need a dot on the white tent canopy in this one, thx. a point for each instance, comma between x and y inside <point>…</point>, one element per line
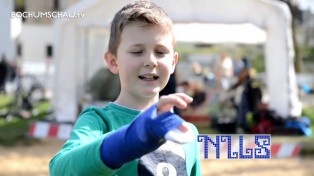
<point>219,33</point>
<point>80,43</point>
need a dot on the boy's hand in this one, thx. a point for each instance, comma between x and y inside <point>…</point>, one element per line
<point>166,103</point>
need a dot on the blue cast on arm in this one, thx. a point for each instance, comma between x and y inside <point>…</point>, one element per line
<point>145,134</point>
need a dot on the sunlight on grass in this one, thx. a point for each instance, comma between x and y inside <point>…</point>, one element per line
<point>5,100</point>
<point>309,112</point>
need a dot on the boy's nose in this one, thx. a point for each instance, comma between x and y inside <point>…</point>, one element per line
<point>150,61</point>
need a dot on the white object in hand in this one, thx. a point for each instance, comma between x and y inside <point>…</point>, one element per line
<point>178,136</point>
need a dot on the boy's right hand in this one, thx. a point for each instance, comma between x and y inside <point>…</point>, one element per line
<point>182,133</point>
<point>167,102</point>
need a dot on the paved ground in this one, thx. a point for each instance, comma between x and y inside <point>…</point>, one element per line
<point>277,167</point>
<point>33,161</point>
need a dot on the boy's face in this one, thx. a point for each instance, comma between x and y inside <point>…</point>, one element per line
<point>144,61</point>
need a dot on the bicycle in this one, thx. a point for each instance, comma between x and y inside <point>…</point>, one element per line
<point>29,91</point>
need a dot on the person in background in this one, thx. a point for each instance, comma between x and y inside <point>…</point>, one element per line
<point>4,68</point>
<point>223,70</point>
<point>250,97</point>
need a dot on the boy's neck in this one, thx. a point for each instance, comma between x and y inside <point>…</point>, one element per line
<point>138,103</point>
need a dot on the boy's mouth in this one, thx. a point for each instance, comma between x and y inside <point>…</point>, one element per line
<point>148,77</point>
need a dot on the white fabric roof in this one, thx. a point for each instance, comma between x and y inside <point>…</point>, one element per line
<point>219,33</point>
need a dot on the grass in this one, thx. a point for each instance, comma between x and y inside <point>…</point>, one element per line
<point>5,100</point>
<point>15,131</point>
<point>309,112</point>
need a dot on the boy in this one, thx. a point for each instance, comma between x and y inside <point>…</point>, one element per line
<point>137,134</point>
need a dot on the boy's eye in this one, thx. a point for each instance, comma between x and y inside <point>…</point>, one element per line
<point>136,52</point>
<point>160,52</point>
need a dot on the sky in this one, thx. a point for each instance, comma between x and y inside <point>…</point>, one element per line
<point>307,4</point>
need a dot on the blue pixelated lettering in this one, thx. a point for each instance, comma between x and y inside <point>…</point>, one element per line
<point>228,138</point>
<point>261,149</point>
<point>248,151</point>
<point>216,145</point>
<point>263,144</point>
<point>204,139</point>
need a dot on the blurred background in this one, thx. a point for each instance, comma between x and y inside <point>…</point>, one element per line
<point>248,64</point>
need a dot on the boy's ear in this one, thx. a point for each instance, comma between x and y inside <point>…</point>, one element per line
<point>111,62</point>
<point>175,61</point>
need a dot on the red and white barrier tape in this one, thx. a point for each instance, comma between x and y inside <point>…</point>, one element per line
<point>46,129</point>
<point>285,150</point>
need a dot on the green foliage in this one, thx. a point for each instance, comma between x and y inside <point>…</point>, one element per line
<point>307,54</point>
<point>19,5</point>
<point>309,112</point>
<point>5,100</point>
<point>259,64</point>
<point>206,129</point>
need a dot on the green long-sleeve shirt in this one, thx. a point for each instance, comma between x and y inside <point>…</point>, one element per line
<point>80,155</point>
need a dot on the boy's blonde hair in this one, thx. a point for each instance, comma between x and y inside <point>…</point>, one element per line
<point>140,11</point>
